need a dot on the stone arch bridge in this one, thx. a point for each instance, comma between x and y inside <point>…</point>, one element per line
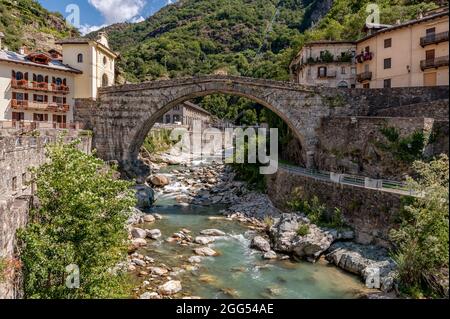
<point>122,116</point>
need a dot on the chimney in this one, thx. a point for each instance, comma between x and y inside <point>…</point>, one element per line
<point>2,36</point>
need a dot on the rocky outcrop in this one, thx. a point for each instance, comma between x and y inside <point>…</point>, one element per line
<point>310,244</point>
<point>159,180</point>
<point>372,263</point>
<point>145,196</point>
<point>260,243</point>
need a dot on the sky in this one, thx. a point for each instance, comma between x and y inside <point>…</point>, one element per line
<point>94,14</point>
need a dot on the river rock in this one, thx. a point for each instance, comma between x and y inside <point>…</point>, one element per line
<point>150,295</point>
<point>195,259</point>
<point>205,251</point>
<point>369,262</point>
<point>136,243</point>
<point>138,233</point>
<point>270,255</point>
<point>170,288</point>
<point>157,216</point>
<point>145,196</point>
<point>159,180</point>
<point>260,243</point>
<point>138,262</point>
<point>212,232</point>
<point>204,240</point>
<point>148,218</point>
<point>158,271</point>
<point>313,244</point>
<point>153,233</point>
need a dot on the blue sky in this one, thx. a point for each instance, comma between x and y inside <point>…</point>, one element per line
<point>98,13</point>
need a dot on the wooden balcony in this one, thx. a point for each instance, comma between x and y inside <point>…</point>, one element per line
<point>434,63</point>
<point>365,76</point>
<point>40,86</point>
<point>434,38</point>
<point>39,106</point>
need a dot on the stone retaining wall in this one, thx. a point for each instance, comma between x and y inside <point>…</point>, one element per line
<point>370,212</point>
<point>18,153</point>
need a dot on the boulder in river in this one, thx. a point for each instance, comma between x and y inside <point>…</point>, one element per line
<point>205,251</point>
<point>260,243</point>
<point>145,196</point>
<point>138,232</point>
<point>270,255</point>
<point>159,180</point>
<point>212,232</point>
<point>195,259</point>
<point>158,271</point>
<point>204,240</point>
<point>153,233</point>
<point>150,295</point>
<point>170,288</point>
<point>148,218</point>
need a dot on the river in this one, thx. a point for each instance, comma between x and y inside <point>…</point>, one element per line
<point>238,271</point>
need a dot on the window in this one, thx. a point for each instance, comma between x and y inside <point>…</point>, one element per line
<point>58,81</point>
<point>18,116</point>
<point>105,60</point>
<point>19,96</point>
<point>176,108</point>
<point>431,31</point>
<point>387,43</point>
<point>19,76</point>
<point>387,83</point>
<point>387,63</point>
<point>40,78</point>
<point>37,117</point>
<point>105,81</point>
<point>353,70</point>
<point>367,49</point>
<point>322,72</point>
<point>343,85</point>
<point>24,179</point>
<point>167,118</point>
<point>176,118</point>
<point>80,58</point>
<point>14,184</point>
<point>59,100</point>
<point>429,55</point>
<point>343,70</point>
<point>59,118</point>
<point>366,85</point>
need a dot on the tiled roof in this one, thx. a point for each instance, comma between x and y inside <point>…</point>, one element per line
<point>14,57</point>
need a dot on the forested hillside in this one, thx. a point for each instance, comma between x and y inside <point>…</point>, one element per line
<point>26,22</point>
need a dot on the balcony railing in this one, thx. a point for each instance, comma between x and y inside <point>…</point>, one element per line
<point>365,76</point>
<point>434,63</point>
<point>32,125</point>
<point>39,106</point>
<point>40,86</point>
<point>434,38</point>
<point>365,56</point>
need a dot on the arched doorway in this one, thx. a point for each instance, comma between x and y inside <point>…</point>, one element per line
<point>105,81</point>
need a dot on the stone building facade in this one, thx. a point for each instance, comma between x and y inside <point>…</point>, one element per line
<point>185,114</point>
<point>325,63</point>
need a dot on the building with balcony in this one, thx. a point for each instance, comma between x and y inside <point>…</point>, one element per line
<point>325,63</point>
<point>41,86</point>
<point>414,53</point>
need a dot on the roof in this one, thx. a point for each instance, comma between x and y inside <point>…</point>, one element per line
<point>324,42</point>
<point>14,57</point>
<point>195,106</point>
<point>406,24</point>
<point>86,41</point>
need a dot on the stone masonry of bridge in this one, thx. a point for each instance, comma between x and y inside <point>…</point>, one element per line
<point>122,116</point>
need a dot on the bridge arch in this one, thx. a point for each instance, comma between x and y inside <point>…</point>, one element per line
<point>123,115</point>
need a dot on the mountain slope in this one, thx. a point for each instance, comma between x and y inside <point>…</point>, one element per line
<point>247,37</point>
<point>26,22</point>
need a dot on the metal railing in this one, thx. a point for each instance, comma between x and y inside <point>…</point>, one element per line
<point>434,38</point>
<point>39,106</point>
<point>434,63</point>
<point>364,76</point>
<point>40,86</point>
<point>353,180</point>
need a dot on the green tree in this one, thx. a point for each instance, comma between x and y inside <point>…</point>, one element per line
<point>80,220</point>
<point>422,238</point>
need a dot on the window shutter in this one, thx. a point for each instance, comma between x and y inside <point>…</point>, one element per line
<point>46,117</point>
<point>34,77</point>
<point>64,100</point>
<point>45,98</point>
<point>13,75</point>
<point>53,79</point>
<point>46,79</point>
<point>26,96</point>
<point>64,82</point>
<point>14,95</point>
<point>54,99</point>
<point>26,76</point>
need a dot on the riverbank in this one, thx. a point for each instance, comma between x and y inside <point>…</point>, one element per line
<point>270,236</point>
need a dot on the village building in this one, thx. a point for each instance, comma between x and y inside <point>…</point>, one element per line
<point>40,87</point>
<point>325,63</point>
<point>414,53</point>
<point>185,114</point>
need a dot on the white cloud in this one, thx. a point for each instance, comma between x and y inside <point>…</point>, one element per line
<point>118,10</point>
<point>137,19</point>
<point>86,29</point>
